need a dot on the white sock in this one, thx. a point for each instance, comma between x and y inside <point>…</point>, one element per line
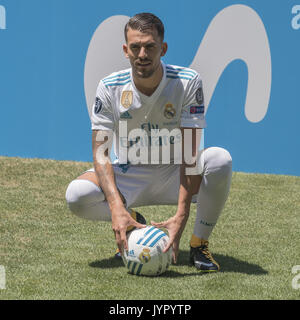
<point>213,192</point>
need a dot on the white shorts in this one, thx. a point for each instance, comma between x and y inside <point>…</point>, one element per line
<point>144,185</point>
<point>147,185</point>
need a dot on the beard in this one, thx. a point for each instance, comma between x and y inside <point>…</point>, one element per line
<point>143,72</point>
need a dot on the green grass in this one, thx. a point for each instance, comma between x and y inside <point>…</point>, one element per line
<point>48,253</point>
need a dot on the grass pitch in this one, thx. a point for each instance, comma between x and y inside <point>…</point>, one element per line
<point>48,253</point>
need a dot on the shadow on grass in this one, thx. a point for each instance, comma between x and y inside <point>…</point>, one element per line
<point>107,263</point>
<point>227,263</point>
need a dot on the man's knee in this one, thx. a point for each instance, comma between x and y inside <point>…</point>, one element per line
<point>217,160</point>
<point>82,194</point>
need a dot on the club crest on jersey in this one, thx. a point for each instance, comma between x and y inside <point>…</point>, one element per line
<point>199,96</point>
<point>145,255</point>
<point>127,99</point>
<point>98,105</point>
<point>169,112</point>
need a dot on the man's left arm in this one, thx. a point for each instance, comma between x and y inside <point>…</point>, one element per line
<point>189,185</point>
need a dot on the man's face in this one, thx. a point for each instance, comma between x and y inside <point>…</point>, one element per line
<point>144,50</point>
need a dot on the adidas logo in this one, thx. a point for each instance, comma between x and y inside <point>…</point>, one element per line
<point>126,115</point>
<point>131,253</point>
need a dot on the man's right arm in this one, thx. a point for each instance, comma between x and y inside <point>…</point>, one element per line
<point>121,218</point>
<point>101,143</point>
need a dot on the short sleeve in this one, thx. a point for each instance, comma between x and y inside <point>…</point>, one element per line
<point>102,117</point>
<point>193,108</point>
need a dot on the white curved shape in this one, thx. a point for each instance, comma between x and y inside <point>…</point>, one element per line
<point>105,55</point>
<point>237,32</point>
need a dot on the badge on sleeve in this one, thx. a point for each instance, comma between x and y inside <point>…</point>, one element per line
<point>98,105</point>
<point>196,109</point>
<point>199,96</point>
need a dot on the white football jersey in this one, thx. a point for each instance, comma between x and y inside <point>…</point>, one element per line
<point>177,102</point>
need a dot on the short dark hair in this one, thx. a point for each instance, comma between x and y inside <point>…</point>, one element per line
<point>143,22</point>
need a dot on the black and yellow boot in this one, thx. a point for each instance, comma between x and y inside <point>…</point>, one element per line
<point>200,256</point>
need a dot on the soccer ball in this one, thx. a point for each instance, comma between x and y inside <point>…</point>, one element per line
<point>145,252</point>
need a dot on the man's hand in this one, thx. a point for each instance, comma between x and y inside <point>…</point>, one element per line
<point>121,220</point>
<point>175,226</point>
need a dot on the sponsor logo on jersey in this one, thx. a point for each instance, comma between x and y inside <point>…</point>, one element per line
<point>199,96</point>
<point>196,109</point>
<point>98,105</point>
<point>169,112</point>
<point>126,115</point>
<point>127,99</point>
<point>145,255</point>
